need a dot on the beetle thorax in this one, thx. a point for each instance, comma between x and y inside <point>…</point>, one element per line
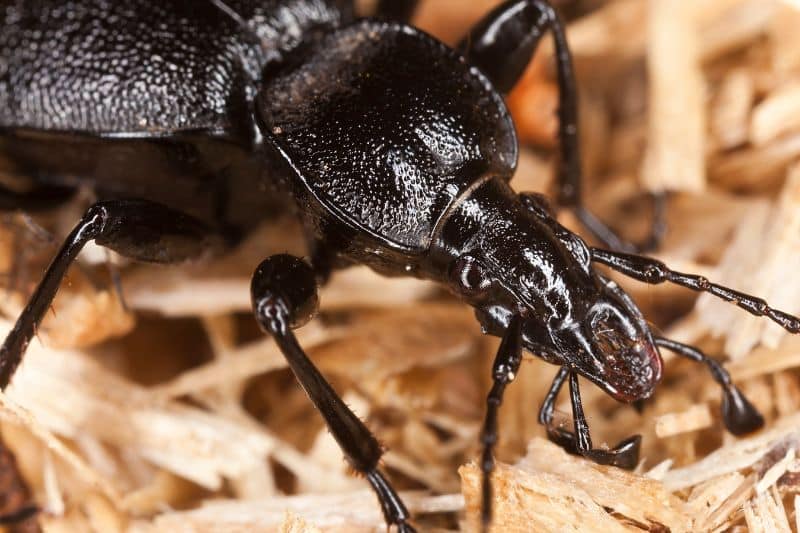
<point>521,263</point>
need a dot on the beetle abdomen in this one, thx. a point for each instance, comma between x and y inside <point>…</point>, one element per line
<point>142,67</point>
<point>386,126</point>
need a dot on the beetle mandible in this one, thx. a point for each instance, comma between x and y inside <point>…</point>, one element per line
<point>397,149</point>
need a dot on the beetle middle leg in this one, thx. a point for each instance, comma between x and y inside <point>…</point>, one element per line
<point>137,229</point>
<point>502,45</point>
<point>284,295</point>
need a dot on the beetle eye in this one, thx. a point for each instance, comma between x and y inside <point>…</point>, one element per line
<point>469,275</point>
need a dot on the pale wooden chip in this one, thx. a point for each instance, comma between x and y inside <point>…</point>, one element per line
<point>765,514</point>
<point>708,497</point>
<point>760,261</point>
<point>730,112</point>
<point>639,498</point>
<point>534,502</point>
<point>198,445</point>
<point>755,169</point>
<point>675,158</point>
<point>738,455</point>
<point>777,115</point>
<point>695,418</point>
<point>173,293</point>
<point>346,511</point>
<point>294,524</point>
<point>784,39</point>
<point>771,476</point>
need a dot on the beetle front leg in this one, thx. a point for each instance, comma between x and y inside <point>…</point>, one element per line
<point>284,296</point>
<point>739,415</point>
<point>623,455</point>
<point>134,228</point>
<point>502,45</point>
<point>549,403</point>
<point>504,370</point>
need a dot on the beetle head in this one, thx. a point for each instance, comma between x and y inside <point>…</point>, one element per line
<point>612,346</point>
<point>574,317</point>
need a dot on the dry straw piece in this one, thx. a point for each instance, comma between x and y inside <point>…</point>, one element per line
<point>173,414</point>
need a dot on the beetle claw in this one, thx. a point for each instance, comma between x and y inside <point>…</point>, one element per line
<point>624,455</point>
<point>565,439</point>
<point>740,416</point>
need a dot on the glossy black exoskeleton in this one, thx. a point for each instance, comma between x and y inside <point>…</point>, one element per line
<point>397,149</point>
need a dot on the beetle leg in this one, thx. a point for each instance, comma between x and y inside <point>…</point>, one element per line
<point>502,45</point>
<point>739,415</point>
<point>134,228</point>
<point>653,271</point>
<point>610,239</point>
<point>549,403</point>
<point>623,455</point>
<point>506,365</point>
<point>562,437</point>
<point>284,295</point>
<point>399,10</point>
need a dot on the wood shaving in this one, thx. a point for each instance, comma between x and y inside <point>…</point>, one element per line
<point>675,157</point>
<point>175,414</point>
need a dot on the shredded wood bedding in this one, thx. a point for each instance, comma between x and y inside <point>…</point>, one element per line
<point>169,412</point>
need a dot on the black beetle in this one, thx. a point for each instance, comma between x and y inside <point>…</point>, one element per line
<point>397,149</point>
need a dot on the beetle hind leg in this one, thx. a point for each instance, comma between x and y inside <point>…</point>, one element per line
<point>624,455</point>
<point>284,295</point>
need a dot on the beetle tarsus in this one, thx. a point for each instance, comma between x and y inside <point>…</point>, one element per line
<point>624,455</point>
<point>394,510</point>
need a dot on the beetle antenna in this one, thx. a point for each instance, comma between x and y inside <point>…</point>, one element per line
<point>654,272</point>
